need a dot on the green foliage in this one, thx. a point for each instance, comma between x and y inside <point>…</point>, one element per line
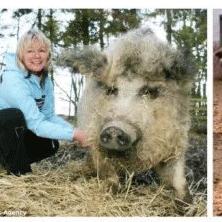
<point>122,20</point>
<point>90,26</point>
<point>20,12</point>
<point>51,26</point>
<point>81,29</point>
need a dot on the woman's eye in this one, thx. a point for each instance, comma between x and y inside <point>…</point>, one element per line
<point>42,50</point>
<point>152,92</point>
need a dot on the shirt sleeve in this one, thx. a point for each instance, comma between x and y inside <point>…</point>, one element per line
<point>17,94</point>
<point>49,107</point>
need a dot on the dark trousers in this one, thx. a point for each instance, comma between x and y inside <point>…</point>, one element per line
<point>19,147</point>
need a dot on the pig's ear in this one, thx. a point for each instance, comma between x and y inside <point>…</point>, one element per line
<point>182,66</point>
<point>86,61</point>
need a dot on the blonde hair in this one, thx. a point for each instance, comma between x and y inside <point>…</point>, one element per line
<point>25,40</point>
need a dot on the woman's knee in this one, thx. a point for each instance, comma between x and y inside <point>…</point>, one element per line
<point>12,117</point>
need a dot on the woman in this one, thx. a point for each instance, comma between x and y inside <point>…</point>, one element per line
<point>29,128</point>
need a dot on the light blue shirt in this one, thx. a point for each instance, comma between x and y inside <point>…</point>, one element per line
<point>36,102</point>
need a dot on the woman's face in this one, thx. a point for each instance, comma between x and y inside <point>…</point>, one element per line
<point>35,57</point>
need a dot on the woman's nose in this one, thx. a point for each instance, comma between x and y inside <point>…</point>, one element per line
<point>36,54</point>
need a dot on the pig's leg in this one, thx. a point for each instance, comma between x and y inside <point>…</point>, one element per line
<point>82,167</point>
<point>173,174</point>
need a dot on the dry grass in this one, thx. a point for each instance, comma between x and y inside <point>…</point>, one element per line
<point>51,191</point>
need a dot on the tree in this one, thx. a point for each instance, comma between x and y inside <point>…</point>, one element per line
<point>39,19</point>
<point>17,14</point>
<point>90,26</point>
<point>2,11</point>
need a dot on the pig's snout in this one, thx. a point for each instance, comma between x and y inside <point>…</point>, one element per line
<point>118,136</point>
<point>115,138</point>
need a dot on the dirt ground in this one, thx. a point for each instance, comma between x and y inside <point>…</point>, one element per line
<point>217,154</point>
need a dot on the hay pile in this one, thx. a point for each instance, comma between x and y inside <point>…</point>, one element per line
<point>53,189</point>
<point>54,193</point>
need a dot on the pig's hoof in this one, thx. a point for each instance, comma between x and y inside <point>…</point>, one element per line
<point>182,206</point>
<point>188,198</point>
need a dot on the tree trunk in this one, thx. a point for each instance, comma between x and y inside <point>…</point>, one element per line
<point>51,39</point>
<point>39,19</point>
<point>169,25</point>
<point>101,29</point>
<point>85,26</point>
<point>18,28</point>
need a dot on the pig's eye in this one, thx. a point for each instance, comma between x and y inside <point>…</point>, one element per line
<point>111,91</point>
<point>152,92</point>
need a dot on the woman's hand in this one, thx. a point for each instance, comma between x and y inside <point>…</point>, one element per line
<point>79,136</point>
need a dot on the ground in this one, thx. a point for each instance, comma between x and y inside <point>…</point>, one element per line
<point>217,154</point>
<point>54,190</point>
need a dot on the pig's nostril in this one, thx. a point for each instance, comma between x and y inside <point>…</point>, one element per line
<point>105,137</point>
<point>123,139</point>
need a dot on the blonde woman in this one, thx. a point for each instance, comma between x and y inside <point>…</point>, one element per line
<point>29,128</point>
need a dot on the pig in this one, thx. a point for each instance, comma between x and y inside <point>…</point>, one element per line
<point>135,107</point>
